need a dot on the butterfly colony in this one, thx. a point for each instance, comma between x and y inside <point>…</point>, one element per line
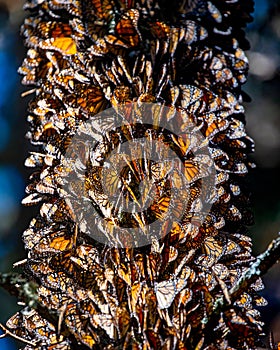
<point>83,57</point>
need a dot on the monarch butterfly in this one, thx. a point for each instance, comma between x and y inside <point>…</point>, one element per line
<point>215,127</point>
<point>190,95</point>
<point>221,271</point>
<point>160,208</point>
<point>160,30</point>
<point>79,28</point>
<point>48,130</point>
<point>86,258</point>
<point>37,159</point>
<point>73,7</point>
<point>212,248</point>
<point>169,254</point>
<point>235,189</point>
<point>126,27</point>
<point>126,35</point>
<point>154,339</point>
<point>123,320</point>
<point>258,285</point>
<point>193,32</point>
<point>33,198</point>
<point>41,330</point>
<point>65,79</point>
<point>167,290</point>
<point>78,325</point>
<point>135,295</point>
<point>91,100</point>
<point>107,322</point>
<point>185,296</point>
<point>29,73</point>
<point>192,171</point>
<point>111,181</point>
<point>174,94</point>
<point>102,9</point>
<point>64,45</point>
<point>259,301</point>
<point>182,144</point>
<point>57,280</point>
<point>57,241</point>
<point>54,30</point>
<point>39,268</point>
<point>165,293</point>
<point>231,247</point>
<point>50,300</point>
<point>121,93</point>
<point>245,300</point>
<point>55,211</point>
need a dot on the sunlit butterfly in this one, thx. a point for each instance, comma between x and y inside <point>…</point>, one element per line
<point>245,300</point>
<point>64,45</point>
<point>167,290</point>
<point>212,248</point>
<point>160,208</point>
<point>215,13</point>
<point>260,301</point>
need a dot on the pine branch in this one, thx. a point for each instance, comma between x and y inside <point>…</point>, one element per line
<point>10,334</point>
<point>18,285</point>
<point>258,268</point>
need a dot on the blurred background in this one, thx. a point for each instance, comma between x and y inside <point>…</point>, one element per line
<point>263,124</point>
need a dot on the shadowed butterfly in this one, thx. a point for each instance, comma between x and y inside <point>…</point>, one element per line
<point>160,30</point>
<point>101,8</point>
<point>154,339</point>
<point>127,4</point>
<point>73,7</point>
<point>54,30</point>
<point>126,35</point>
<point>78,325</point>
<point>90,100</point>
<point>193,32</point>
<point>215,13</point>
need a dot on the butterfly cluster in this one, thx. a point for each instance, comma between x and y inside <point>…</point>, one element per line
<point>83,57</point>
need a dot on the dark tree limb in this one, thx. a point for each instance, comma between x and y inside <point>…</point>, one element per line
<point>258,268</point>
<point>8,333</point>
<point>18,285</point>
